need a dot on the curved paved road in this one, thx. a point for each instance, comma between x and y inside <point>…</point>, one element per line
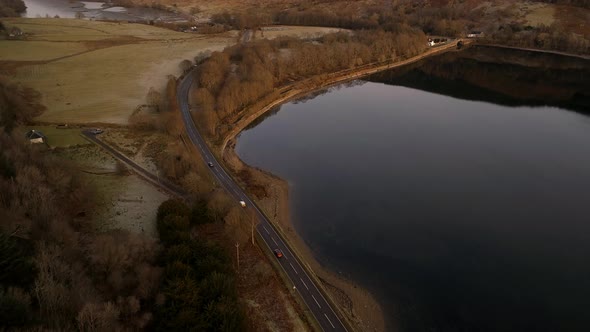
<point>322,311</point>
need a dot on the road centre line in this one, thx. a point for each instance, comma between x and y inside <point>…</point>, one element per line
<point>316,301</point>
<point>329,321</point>
<point>304,284</point>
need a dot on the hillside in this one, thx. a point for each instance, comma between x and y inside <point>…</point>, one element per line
<point>438,17</point>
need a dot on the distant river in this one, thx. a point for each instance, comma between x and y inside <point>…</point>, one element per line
<point>95,10</point>
<point>51,8</point>
<point>457,214</point>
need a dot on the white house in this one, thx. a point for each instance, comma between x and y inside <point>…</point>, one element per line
<point>475,34</point>
<point>35,137</point>
<point>15,33</point>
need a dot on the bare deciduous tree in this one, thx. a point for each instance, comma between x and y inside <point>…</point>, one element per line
<point>219,204</point>
<point>154,99</point>
<point>185,65</point>
<point>98,317</point>
<point>236,225</point>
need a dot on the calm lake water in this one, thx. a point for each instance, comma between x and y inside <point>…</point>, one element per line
<point>51,8</point>
<point>458,215</point>
<point>95,10</point>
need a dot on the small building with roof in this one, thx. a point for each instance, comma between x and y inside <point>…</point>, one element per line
<point>475,34</point>
<point>35,137</point>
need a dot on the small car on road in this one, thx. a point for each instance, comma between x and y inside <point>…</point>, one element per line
<point>96,131</point>
<point>243,204</point>
<point>210,164</point>
<point>278,253</point>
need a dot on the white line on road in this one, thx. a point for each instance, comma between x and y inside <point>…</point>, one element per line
<point>330,321</point>
<point>266,230</point>
<point>235,192</point>
<point>316,287</point>
<point>304,284</point>
<point>293,267</point>
<point>273,240</point>
<point>316,301</point>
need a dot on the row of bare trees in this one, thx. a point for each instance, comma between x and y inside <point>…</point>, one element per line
<point>551,37</point>
<point>577,3</point>
<point>447,19</point>
<point>231,80</point>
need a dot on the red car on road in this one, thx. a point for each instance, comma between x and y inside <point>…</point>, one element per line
<point>278,253</point>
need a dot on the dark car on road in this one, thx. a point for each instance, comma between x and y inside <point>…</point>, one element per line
<point>210,164</point>
<point>278,253</point>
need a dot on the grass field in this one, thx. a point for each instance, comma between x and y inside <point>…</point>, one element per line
<point>540,13</point>
<point>97,71</point>
<point>124,201</point>
<point>58,138</point>
<point>106,85</point>
<point>49,29</point>
<point>89,71</point>
<point>29,50</point>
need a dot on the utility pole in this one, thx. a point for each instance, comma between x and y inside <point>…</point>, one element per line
<point>252,226</point>
<point>238,254</point>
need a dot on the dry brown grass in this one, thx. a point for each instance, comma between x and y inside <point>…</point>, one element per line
<point>29,50</point>
<point>576,20</point>
<point>539,13</point>
<point>58,138</point>
<point>60,30</point>
<point>96,71</point>
<point>124,201</point>
<point>106,85</point>
<point>92,71</point>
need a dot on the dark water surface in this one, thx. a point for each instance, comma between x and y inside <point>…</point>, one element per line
<point>458,215</point>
